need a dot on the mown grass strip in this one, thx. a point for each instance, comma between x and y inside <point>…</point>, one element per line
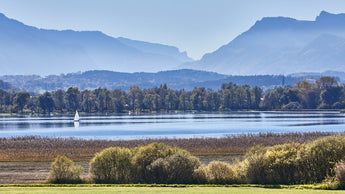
<point>161,190</point>
<point>306,186</point>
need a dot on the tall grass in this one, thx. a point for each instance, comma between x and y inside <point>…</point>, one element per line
<point>32,148</point>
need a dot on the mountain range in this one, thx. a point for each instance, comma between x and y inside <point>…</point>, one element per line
<point>273,45</point>
<point>30,50</point>
<point>280,45</point>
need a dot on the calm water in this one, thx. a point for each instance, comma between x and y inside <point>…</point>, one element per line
<point>171,125</point>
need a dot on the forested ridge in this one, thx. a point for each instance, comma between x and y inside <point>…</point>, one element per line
<point>325,93</point>
<point>176,80</point>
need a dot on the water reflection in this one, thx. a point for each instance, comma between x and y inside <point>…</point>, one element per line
<point>76,124</point>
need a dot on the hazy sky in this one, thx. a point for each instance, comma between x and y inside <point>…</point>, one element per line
<point>195,26</point>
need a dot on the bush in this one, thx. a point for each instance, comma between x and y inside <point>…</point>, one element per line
<point>181,167</point>
<point>64,171</point>
<point>112,165</point>
<point>145,155</point>
<point>294,163</point>
<point>178,168</point>
<point>276,165</point>
<point>222,173</point>
<point>281,164</point>
<point>340,173</point>
<point>201,175</point>
<point>254,165</point>
<point>320,156</point>
<point>159,170</point>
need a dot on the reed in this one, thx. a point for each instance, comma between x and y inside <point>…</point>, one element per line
<point>33,148</point>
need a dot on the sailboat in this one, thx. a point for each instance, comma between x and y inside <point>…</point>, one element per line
<point>76,117</point>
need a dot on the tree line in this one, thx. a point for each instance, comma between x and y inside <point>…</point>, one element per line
<point>324,93</point>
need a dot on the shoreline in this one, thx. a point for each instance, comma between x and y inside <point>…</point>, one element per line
<point>67,114</point>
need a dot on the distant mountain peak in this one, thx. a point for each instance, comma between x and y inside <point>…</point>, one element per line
<point>61,51</point>
<point>330,17</point>
<point>273,22</point>
<point>280,45</point>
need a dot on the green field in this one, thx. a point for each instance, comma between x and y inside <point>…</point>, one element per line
<point>144,190</point>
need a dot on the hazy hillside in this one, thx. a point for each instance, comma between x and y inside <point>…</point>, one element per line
<point>29,50</point>
<point>177,79</point>
<point>281,45</point>
<point>7,86</point>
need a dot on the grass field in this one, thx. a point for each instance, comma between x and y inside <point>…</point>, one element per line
<point>144,190</point>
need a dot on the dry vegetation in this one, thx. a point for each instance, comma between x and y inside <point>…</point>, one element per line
<point>46,149</point>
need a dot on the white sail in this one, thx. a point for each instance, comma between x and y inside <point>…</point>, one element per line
<point>76,117</point>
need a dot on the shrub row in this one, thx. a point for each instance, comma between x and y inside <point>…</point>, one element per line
<point>292,163</point>
<point>295,163</point>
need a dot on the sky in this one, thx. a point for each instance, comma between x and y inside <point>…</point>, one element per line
<point>195,26</point>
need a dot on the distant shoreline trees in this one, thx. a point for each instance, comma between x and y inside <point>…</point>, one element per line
<point>325,93</point>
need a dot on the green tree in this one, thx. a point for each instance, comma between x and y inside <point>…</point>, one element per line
<point>58,97</point>
<point>256,94</point>
<point>184,101</point>
<point>21,99</point>
<point>119,99</point>
<point>46,102</point>
<point>152,102</point>
<point>88,102</point>
<point>171,100</point>
<point>72,98</point>
<point>331,95</point>
<point>270,101</point>
<point>135,98</point>
<point>197,98</point>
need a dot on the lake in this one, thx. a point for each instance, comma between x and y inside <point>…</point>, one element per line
<point>184,125</point>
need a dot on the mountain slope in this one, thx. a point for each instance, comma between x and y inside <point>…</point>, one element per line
<point>29,50</point>
<point>7,86</point>
<point>176,79</point>
<point>281,45</point>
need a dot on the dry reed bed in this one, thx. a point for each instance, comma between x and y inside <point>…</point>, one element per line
<point>33,148</point>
